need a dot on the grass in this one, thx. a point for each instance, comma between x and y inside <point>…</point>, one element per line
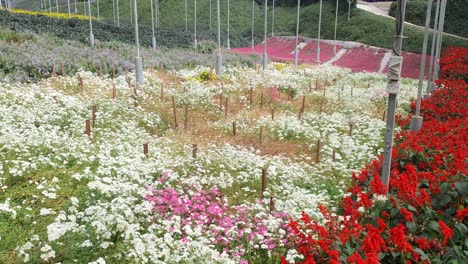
<point>363,27</point>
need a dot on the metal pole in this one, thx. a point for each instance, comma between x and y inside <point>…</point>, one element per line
<point>50,6</point>
<point>131,12</point>
<point>416,120</point>
<point>76,8</point>
<point>56,5</point>
<point>186,17</point>
<point>336,26</point>
<point>84,7</point>
<point>98,14</point>
<point>296,51</point>
<point>228,18</point>
<point>319,29</point>
<point>113,9</point>
<point>265,38</point>
<point>69,10</point>
<point>118,14</point>
<point>195,23</point>
<point>152,24</point>
<point>431,61</point>
<point>273,19</point>
<point>439,48</point>
<point>138,62</point>
<point>157,13</point>
<point>91,35</point>
<point>253,23</point>
<point>219,60</point>
<point>210,15</point>
<point>393,88</point>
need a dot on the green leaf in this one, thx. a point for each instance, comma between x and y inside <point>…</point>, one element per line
<point>462,228</point>
<point>462,187</point>
<point>423,255</point>
<point>411,226</point>
<point>434,225</point>
<point>411,208</point>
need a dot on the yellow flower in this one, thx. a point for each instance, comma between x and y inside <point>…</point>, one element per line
<point>48,14</point>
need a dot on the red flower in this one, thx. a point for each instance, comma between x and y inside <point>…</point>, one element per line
<point>461,214</point>
<point>446,231</point>
<point>407,215</point>
<point>423,243</point>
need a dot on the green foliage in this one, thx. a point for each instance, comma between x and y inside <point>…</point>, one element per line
<point>456,20</point>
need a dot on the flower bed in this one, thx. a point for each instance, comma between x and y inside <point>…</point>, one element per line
<point>423,218</point>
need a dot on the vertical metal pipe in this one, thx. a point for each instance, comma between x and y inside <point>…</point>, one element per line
<point>91,35</point>
<point>296,50</point>
<point>431,61</point>
<point>273,19</point>
<point>265,38</point>
<point>56,6</point>
<point>186,17</point>
<point>393,88</point>
<point>228,25</point>
<point>319,30</point>
<point>98,13</point>
<point>138,62</point>
<point>417,120</point>
<point>195,23</point>
<point>439,48</point>
<point>253,23</point>
<point>336,26</point>
<point>210,14</point>
<point>219,60</point>
<point>152,25</point>
<point>76,8</point>
<point>118,13</point>
<point>69,9</point>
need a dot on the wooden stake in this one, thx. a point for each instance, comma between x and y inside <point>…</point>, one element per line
<point>251,96</point>
<point>94,110</point>
<point>273,114</point>
<point>186,118</point>
<point>113,72</point>
<point>194,151</point>
<point>317,154</point>
<point>310,86</point>
<point>100,71</point>
<point>334,155</point>
<point>53,71</point>
<point>221,101</point>
<point>264,180</point>
<point>272,204</point>
<point>383,116</point>
<point>324,92</point>
<point>350,129</point>
<point>145,149</point>
<point>234,128</point>
<point>162,92</point>
<point>303,104</point>
<point>114,92</point>
<point>88,128</point>
<point>175,112</point>
<point>63,69</point>
<point>339,96</point>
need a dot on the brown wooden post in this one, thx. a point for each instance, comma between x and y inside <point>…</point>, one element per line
<point>63,69</point>
<point>101,73</point>
<point>324,92</point>
<point>251,96</point>
<point>334,155</point>
<point>303,104</point>
<point>272,204</point>
<point>113,72</point>
<point>175,112</point>
<point>162,92</point>
<point>53,71</point>
<point>220,101</point>
<point>264,180</point>
<point>94,110</point>
<point>88,128</point>
<point>234,128</point>
<point>114,92</point>
<point>317,154</point>
<point>145,149</point>
<point>310,86</point>
<point>350,129</point>
<point>194,151</point>
<point>383,116</point>
<point>339,95</point>
<point>273,114</point>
